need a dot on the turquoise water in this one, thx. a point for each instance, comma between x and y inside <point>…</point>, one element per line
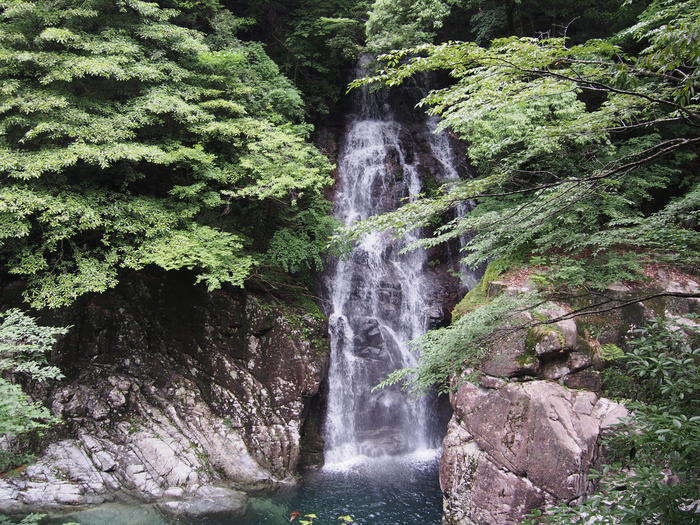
<point>380,492</point>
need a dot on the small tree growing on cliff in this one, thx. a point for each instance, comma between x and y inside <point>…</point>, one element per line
<point>23,348</point>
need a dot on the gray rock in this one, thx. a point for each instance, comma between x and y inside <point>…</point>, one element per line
<point>511,447</point>
<point>468,478</point>
<point>578,361</point>
<point>556,368</point>
<point>490,382</point>
<point>171,393</point>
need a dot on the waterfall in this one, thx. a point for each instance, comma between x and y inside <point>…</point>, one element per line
<point>379,299</point>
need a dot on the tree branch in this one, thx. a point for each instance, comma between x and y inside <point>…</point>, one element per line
<point>586,310</point>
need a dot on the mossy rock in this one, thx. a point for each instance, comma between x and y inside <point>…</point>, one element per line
<point>538,334</point>
<point>479,295</point>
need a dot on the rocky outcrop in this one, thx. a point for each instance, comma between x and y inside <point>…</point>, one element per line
<point>175,396</point>
<point>519,446</point>
<point>528,433</point>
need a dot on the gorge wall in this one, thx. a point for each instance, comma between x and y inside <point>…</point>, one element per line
<point>193,400</point>
<point>529,432</point>
<point>176,396</point>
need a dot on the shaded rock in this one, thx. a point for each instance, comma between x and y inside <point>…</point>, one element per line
<point>564,365</point>
<point>585,379</point>
<point>170,389</point>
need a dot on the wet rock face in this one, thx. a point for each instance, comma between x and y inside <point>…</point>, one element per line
<point>176,396</point>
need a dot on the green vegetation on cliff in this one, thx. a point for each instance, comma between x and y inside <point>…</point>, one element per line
<point>128,139</point>
<point>584,153</point>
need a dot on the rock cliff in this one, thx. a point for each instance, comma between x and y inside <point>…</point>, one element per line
<point>528,433</point>
<point>176,396</point>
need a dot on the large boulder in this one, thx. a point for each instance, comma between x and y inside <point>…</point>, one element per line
<point>529,433</point>
<point>176,396</point>
<point>518,446</point>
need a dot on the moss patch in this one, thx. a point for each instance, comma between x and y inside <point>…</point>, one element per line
<point>537,333</point>
<point>478,296</point>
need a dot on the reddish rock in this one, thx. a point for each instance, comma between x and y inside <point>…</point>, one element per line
<point>512,449</point>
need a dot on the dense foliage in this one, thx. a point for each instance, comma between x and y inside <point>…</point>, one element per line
<point>395,24</point>
<point>582,151</point>
<point>24,346</point>
<point>128,140</point>
<point>316,42</point>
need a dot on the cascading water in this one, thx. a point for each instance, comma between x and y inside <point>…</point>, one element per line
<point>443,152</point>
<point>378,299</point>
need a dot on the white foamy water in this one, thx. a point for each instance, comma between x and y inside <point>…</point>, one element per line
<point>378,299</point>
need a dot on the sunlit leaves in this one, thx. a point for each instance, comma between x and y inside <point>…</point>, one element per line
<point>396,24</point>
<point>124,138</point>
<point>217,255</point>
<point>23,348</point>
<point>570,143</point>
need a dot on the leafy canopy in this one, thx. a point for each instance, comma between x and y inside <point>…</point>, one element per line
<point>396,24</point>
<point>581,151</point>
<point>128,140</point>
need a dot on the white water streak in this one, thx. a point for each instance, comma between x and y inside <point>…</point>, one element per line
<point>378,297</point>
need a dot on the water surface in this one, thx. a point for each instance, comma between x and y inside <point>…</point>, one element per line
<point>380,491</point>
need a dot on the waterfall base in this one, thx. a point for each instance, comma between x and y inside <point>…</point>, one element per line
<point>396,490</point>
